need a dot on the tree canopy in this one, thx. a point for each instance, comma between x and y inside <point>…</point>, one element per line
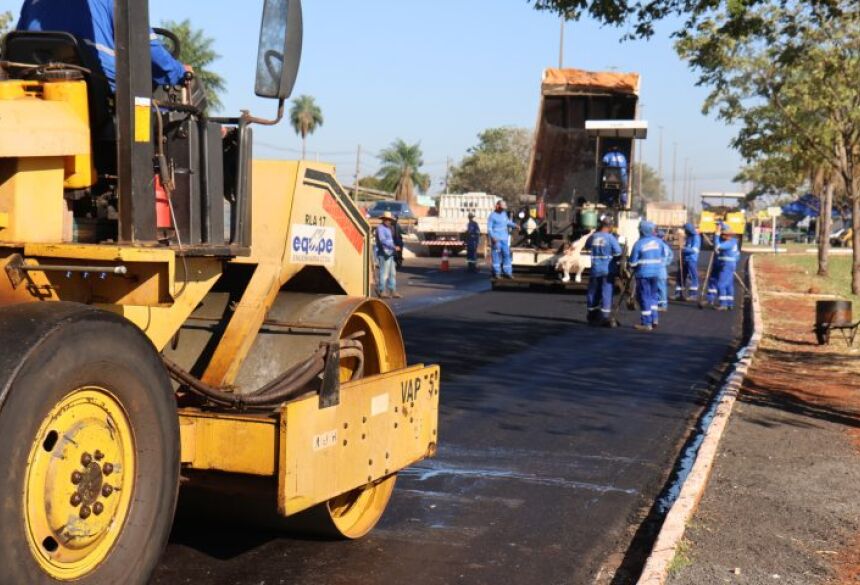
<point>400,171</point>
<point>790,83</point>
<point>196,50</point>
<point>653,188</point>
<point>5,23</point>
<point>305,117</point>
<point>497,164</point>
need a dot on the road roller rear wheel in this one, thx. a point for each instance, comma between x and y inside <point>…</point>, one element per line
<point>89,438</point>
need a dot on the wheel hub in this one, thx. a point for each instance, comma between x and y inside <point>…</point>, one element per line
<point>79,482</point>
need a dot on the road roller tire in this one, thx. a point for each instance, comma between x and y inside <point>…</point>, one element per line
<point>89,440</point>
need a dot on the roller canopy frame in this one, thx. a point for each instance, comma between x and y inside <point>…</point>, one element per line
<point>634,129</point>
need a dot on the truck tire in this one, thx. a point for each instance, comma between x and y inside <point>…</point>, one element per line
<point>89,438</point>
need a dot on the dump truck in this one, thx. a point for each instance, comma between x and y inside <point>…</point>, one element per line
<point>582,116</point>
<point>669,218</point>
<point>447,229</point>
<point>146,340</point>
<point>725,208</point>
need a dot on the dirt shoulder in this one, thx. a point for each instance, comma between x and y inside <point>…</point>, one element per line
<point>783,501</point>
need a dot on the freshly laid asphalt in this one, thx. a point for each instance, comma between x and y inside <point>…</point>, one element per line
<point>555,440</point>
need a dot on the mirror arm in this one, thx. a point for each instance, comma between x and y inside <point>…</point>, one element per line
<point>247,118</point>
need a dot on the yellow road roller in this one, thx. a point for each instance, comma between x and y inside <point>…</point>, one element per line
<point>173,311</point>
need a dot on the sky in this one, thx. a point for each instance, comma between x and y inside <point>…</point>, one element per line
<point>441,71</point>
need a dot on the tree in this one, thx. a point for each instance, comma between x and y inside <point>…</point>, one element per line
<point>5,23</point>
<point>196,50</point>
<point>497,164</point>
<point>640,16</point>
<point>790,83</point>
<point>400,171</point>
<point>305,117</point>
<point>653,188</point>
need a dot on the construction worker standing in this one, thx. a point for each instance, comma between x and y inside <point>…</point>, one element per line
<point>713,292</point>
<point>728,255</point>
<point>647,259</point>
<point>385,252</point>
<point>473,238</point>
<point>498,226</point>
<point>663,279</point>
<point>605,250</point>
<point>688,275</point>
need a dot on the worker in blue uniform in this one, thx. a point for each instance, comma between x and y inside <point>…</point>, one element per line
<point>473,238</point>
<point>647,259</point>
<point>689,270</point>
<point>713,292</point>
<point>498,226</point>
<point>663,278</point>
<point>92,22</point>
<point>605,252</point>
<point>614,158</point>
<point>728,255</point>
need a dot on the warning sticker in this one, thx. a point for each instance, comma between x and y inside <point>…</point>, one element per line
<point>312,245</point>
<point>325,440</point>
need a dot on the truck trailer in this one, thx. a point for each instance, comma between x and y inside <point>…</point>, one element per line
<point>582,116</point>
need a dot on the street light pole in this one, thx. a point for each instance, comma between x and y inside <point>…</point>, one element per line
<point>561,44</point>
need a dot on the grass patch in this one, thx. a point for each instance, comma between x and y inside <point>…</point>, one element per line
<point>682,558</point>
<point>805,267</point>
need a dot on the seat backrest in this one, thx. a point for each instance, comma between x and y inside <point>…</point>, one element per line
<point>43,47</point>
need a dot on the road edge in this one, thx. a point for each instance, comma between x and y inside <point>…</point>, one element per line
<point>657,566</point>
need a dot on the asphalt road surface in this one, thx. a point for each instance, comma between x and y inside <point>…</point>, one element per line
<point>555,440</point>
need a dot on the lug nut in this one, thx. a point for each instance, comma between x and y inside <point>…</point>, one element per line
<point>107,468</point>
<point>107,490</point>
<point>86,459</point>
<point>77,477</point>
<point>98,508</point>
<point>76,499</point>
<point>99,455</point>
<point>85,512</point>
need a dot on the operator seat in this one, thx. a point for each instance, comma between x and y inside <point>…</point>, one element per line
<point>46,47</point>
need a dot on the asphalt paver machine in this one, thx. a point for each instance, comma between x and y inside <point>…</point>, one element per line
<point>172,309</point>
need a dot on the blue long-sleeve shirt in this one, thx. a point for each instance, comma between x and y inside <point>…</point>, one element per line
<point>692,247</point>
<point>604,249</point>
<point>384,240</point>
<point>91,21</point>
<point>727,252</point>
<point>648,257</point>
<point>473,232</point>
<point>498,224</point>
<point>615,159</point>
<point>668,258</point>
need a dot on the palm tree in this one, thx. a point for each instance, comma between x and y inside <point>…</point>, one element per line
<point>400,170</point>
<point>305,116</point>
<point>197,51</point>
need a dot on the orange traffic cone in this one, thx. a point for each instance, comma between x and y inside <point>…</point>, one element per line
<point>445,266</point>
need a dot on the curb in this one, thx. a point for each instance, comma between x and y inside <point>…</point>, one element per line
<point>656,569</point>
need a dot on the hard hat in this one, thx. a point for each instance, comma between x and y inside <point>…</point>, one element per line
<point>646,228</point>
<point>690,228</point>
<point>387,215</point>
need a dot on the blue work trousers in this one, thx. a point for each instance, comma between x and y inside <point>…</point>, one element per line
<point>689,277</point>
<point>387,273</point>
<point>646,295</point>
<point>599,296</point>
<point>711,294</point>
<point>662,291</point>
<point>726,284</point>
<point>472,254</point>
<point>502,262</point>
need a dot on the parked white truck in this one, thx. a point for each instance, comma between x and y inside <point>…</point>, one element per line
<point>447,229</point>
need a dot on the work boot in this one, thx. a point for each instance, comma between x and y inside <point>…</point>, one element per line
<point>508,276</point>
<point>396,295</point>
<point>721,308</point>
<point>641,327</point>
<point>384,295</point>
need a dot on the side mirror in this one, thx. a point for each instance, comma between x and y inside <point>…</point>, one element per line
<point>280,50</point>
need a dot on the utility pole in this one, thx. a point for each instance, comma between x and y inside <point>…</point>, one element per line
<point>357,173</point>
<point>641,148</point>
<point>561,43</point>
<point>674,167</point>
<point>684,196</point>
<point>660,158</point>
<point>447,175</point>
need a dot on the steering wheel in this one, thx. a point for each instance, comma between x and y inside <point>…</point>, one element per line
<point>176,45</point>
